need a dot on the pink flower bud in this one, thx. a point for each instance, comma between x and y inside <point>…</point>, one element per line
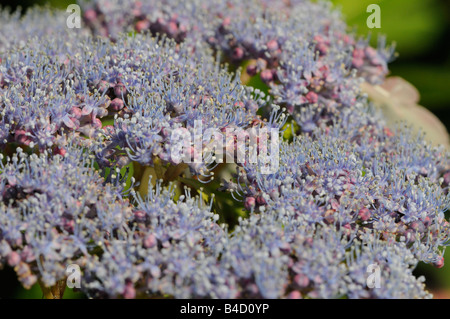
<point>364,214</point>
<point>172,28</point>
<point>312,97</point>
<point>357,63</point>
<point>90,15</point>
<point>117,104</point>
<point>295,295</point>
<point>249,203</point>
<point>226,21</point>
<point>238,53</point>
<point>75,112</point>
<point>140,215</point>
<point>22,137</point>
<point>266,75</point>
<point>96,123</point>
<point>129,291</point>
<point>102,86</point>
<point>252,70</point>
<point>260,200</point>
<point>150,241</point>
<point>13,259</point>
<point>142,25</point>
<point>272,45</point>
<point>301,280</point>
<point>68,225</point>
<point>60,151</point>
<point>439,263</point>
<point>120,90</point>
<point>427,221</point>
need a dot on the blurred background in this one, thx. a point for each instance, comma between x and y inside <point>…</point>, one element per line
<point>421,30</point>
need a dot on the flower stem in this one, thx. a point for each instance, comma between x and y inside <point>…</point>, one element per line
<point>54,292</point>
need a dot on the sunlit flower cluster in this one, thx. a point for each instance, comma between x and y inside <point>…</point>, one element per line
<point>87,176</point>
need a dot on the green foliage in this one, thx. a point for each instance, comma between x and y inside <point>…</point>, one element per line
<point>413,24</point>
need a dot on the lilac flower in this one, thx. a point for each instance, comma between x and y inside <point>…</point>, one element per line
<point>172,250</point>
<point>167,92</point>
<point>301,50</point>
<point>350,193</point>
<point>329,177</point>
<point>54,210</point>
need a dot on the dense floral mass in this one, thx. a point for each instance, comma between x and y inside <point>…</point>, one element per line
<point>87,175</point>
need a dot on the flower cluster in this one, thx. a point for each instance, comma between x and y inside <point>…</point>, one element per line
<point>82,109</point>
<point>161,88</point>
<point>356,178</point>
<point>267,256</point>
<point>38,22</point>
<point>150,87</point>
<point>307,59</point>
<point>54,211</point>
